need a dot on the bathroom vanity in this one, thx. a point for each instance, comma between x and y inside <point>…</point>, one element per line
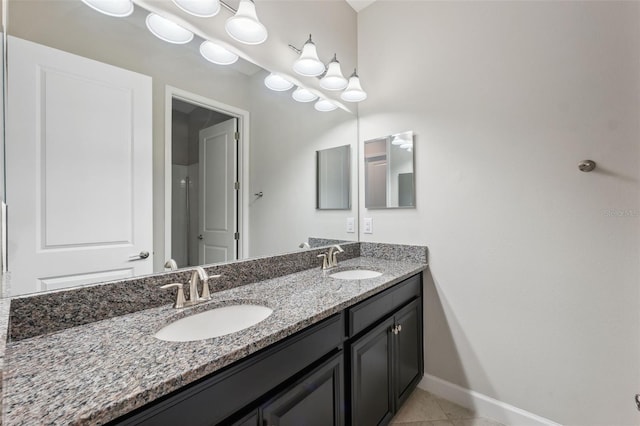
<point>334,351</point>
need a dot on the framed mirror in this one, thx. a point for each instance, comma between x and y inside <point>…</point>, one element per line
<point>389,172</point>
<point>333,181</point>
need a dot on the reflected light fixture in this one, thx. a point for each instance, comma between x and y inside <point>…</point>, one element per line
<point>217,54</point>
<point>333,79</point>
<point>244,26</point>
<point>168,30</point>
<point>325,105</point>
<point>117,8</point>
<point>354,92</point>
<point>200,8</point>
<point>308,63</point>
<point>303,95</point>
<point>398,140</point>
<point>277,83</point>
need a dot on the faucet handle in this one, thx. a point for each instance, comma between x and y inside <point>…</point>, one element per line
<point>205,287</point>
<point>325,263</point>
<point>334,257</point>
<point>179,297</point>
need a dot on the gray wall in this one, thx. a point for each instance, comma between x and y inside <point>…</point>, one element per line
<point>534,296</point>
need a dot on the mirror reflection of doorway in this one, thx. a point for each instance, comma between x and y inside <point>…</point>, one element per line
<point>204,193</point>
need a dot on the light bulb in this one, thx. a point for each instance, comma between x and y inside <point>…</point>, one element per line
<point>217,54</point>
<point>333,79</point>
<point>303,95</point>
<point>308,63</point>
<point>167,30</point>
<point>117,8</point>
<point>277,83</point>
<point>354,92</point>
<point>244,26</point>
<point>200,8</point>
<point>325,105</point>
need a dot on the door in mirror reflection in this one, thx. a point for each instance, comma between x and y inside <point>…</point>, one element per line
<point>204,200</point>
<point>333,187</point>
<point>389,168</point>
<point>79,181</point>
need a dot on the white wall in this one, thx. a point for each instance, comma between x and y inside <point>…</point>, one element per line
<point>283,168</point>
<point>533,298</point>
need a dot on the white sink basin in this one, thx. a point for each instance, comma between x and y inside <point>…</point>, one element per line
<point>213,323</point>
<point>355,274</point>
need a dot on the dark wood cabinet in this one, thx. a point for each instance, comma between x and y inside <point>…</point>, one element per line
<point>386,364</point>
<point>315,400</point>
<point>372,376</point>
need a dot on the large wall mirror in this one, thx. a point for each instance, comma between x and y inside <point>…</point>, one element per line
<point>228,172</point>
<point>389,169</point>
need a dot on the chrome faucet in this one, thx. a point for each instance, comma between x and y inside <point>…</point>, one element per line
<point>198,274</point>
<point>330,259</point>
<point>171,265</point>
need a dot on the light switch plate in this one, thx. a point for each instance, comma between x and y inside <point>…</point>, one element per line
<point>351,225</point>
<point>368,225</point>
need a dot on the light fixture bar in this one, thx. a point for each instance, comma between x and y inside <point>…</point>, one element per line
<point>228,7</point>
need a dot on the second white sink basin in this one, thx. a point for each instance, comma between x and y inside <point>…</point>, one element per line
<point>213,323</point>
<point>355,274</point>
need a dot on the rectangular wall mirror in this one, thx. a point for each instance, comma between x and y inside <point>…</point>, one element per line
<point>388,170</point>
<point>333,187</point>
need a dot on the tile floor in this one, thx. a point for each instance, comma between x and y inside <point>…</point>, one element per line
<point>425,409</point>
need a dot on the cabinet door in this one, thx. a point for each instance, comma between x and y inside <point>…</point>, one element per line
<point>315,400</point>
<point>408,362</point>
<point>371,377</point>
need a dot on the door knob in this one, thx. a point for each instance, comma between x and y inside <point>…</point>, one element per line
<point>200,237</point>
<point>139,256</point>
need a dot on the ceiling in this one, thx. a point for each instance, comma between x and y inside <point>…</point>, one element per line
<point>358,5</point>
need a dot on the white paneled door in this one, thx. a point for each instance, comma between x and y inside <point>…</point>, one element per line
<point>218,192</point>
<point>78,165</point>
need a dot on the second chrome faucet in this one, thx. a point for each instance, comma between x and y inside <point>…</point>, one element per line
<point>330,258</point>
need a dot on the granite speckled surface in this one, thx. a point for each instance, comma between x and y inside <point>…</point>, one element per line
<point>99,371</point>
<point>399,252</point>
<point>43,313</point>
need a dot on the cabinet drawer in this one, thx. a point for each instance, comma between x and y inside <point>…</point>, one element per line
<point>226,392</point>
<point>376,307</point>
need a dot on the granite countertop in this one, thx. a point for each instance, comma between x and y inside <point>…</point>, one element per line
<point>97,372</point>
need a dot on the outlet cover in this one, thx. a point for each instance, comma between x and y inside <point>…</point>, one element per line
<point>368,225</point>
<point>351,225</point>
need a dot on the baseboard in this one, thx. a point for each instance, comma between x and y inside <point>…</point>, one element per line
<point>482,405</point>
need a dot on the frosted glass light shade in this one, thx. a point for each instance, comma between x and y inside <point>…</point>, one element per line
<point>308,63</point>
<point>354,92</point>
<point>201,8</point>
<point>244,25</point>
<point>117,8</point>
<point>303,95</point>
<point>217,54</point>
<point>325,105</point>
<point>333,79</point>
<point>277,83</point>
<point>168,30</point>
<point>407,145</point>
<point>398,140</point>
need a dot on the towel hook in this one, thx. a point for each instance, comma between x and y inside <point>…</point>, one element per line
<point>586,165</point>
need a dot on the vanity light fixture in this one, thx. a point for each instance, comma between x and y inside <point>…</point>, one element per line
<point>244,26</point>
<point>308,63</point>
<point>333,79</point>
<point>217,54</point>
<point>277,83</point>
<point>407,145</point>
<point>168,30</point>
<point>354,92</point>
<point>117,8</point>
<point>325,105</point>
<point>303,95</point>
<point>200,8</point>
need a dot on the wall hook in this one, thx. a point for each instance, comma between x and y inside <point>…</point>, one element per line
<point>586,165</point>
